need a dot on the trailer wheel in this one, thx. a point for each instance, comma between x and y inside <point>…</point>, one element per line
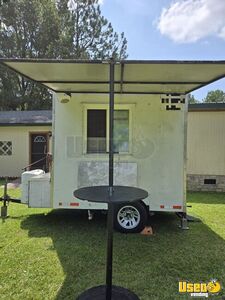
<point>130,217</point>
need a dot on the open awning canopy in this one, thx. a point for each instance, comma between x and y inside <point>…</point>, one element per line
<point>131,76</point>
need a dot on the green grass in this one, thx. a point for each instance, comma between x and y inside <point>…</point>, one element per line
<point>57,255</point>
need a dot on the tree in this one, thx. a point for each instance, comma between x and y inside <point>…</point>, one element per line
<point>88,34</point>
<point>51,29</point>
<point>192,99</point>
<point>215,97</point>
<point>3,1</point>
<point>29,28</point>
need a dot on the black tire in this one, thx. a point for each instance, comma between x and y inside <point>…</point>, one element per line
<point>130,217</point>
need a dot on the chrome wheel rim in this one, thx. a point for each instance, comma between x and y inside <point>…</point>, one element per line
<point>128,217</point>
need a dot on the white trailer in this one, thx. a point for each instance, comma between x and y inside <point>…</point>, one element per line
<point>150,131</point>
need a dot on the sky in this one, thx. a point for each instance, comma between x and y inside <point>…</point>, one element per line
<point>176,30</point>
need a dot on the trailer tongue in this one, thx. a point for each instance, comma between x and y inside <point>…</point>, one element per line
<point>5,201</point>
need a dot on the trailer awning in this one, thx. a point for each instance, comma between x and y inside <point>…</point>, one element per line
<point>131,76</point>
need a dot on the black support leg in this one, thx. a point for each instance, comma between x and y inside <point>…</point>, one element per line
<point>109,252</point>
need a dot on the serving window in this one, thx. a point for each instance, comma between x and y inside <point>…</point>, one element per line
<point>97,129</point>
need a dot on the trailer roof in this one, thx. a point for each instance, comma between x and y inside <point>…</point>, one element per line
<point>131,76</point>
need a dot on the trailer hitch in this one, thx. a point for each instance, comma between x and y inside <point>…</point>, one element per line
<point>5,200</point>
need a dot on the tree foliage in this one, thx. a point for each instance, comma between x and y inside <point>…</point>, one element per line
<point>51,29</point>
<point>215,97</point>
<point>3,1</point>
<point>87,33</point>
<point>192,99</point>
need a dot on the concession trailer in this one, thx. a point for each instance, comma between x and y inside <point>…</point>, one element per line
<point>150,132</point>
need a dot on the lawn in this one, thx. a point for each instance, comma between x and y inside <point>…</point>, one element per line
<point>57,255</point>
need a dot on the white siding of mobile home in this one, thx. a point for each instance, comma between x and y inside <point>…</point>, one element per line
<point>206,151</point>
<point>11,165</point>
<point>206,142</point>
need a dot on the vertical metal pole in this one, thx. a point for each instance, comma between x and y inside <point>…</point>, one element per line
<point>4,208</point>
<point>111,124</point>
<point>109,252</point>
<point>110,205</point>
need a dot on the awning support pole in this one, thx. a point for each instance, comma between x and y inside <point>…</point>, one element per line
<point>110,205</point>
<point>111,124</point>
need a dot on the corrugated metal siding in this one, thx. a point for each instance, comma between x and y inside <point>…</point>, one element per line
<point>206,143</point>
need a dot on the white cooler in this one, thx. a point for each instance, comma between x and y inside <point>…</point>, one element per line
<point>36,188</point>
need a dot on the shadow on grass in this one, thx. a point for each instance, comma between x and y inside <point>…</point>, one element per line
<point>150,266</point>
<point>206,197</point>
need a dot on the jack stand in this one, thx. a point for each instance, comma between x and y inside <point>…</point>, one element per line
<point>90,215</point>
<point>183,221</point>
<point>5,199</point>
<point>4,211</point>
